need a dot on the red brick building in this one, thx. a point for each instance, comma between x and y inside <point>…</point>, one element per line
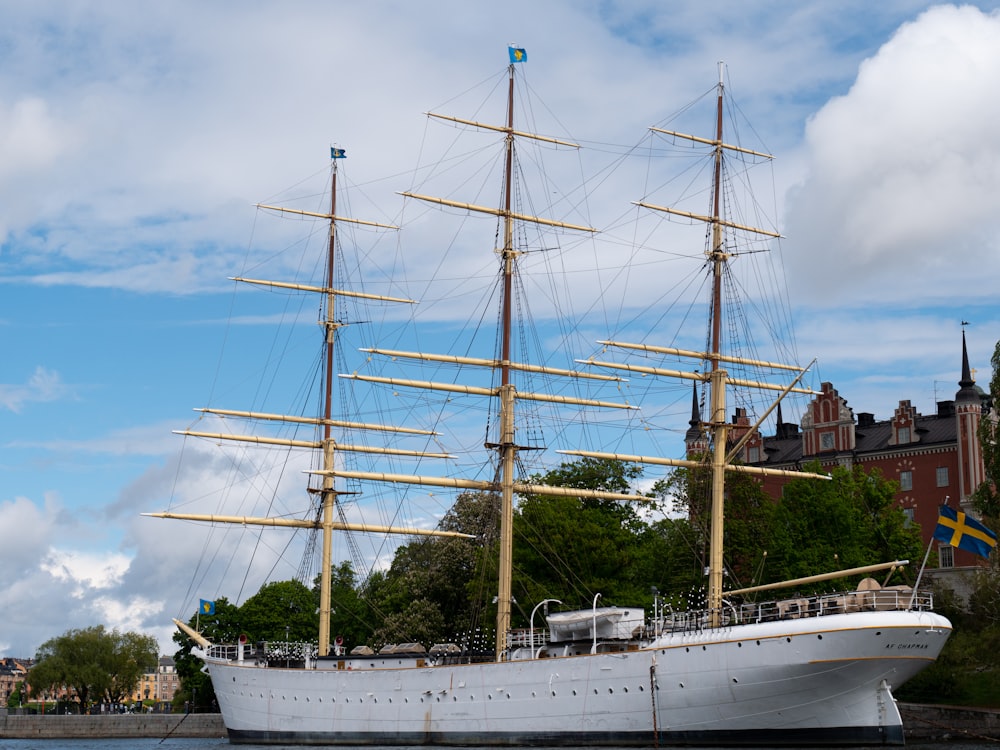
<point>934,458</point>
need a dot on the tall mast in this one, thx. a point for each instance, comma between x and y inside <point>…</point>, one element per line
<point>507,448</point>
<point>717,406</point>
<point>328,493</point>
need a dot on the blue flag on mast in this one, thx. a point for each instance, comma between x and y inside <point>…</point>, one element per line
<point>338,153</point>
<point>517,54</point>
<point>956,528</point>
<point>206,607</point>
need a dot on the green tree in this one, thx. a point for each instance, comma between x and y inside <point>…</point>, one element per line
<point>749,518</point>
<point>94,663</point>
<point>16,697</point>
<point>986,498</point>
<point>352,619</point>
<point>572,548</point>
<point>278,611</point>
<point>434,590</point>
<point>849,521</point>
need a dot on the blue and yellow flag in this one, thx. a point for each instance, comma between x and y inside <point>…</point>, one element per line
<point>956,528</point>
<point>517,54</point>
<point>338,153</point>
<point>206,607</point>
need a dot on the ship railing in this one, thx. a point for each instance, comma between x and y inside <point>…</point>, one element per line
<point>739,613</point>
<point>272,652</point>
<point>526,638</point>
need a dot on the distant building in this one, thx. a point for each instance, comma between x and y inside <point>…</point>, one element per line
<point>12,672</point>
<point>934,458</point>
<point>159,684</point>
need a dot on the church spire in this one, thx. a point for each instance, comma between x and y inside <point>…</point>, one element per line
<point>967,386</point>
<point>968,413</point>
<point>695,439</point>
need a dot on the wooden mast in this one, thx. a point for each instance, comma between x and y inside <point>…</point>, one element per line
<point>721,456</point>
<point>717,407</point>
<point>507,448</point>
<point>324,520</point>
<point>328,491</point>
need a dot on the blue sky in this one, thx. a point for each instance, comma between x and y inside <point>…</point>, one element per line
<point>135,140</point>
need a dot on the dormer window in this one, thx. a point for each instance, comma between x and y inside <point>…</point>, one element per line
<point>903,423</point>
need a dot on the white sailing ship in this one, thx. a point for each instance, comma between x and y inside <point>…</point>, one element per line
<point>804,670</point>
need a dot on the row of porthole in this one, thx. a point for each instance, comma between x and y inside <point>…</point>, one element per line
<point>739,644</point>
<point>489,696</point>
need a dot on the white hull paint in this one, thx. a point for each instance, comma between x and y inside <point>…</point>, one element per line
<point>824,680</point>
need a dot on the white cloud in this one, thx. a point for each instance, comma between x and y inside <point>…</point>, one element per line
<point>87,572</point>
<point>897,207</point>
<point>43,385</point>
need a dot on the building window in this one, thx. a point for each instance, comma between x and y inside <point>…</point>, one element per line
<point>908,516</point>
<point>753,455</point>
<point>906,481</point>
<point>902,435</point>
<point>826,441</point>
<point>942,476</point>
<point>946,556</point>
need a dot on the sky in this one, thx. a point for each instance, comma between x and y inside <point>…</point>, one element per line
<point>136,140</point>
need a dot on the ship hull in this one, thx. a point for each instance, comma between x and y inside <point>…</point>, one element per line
<point>812,681</point>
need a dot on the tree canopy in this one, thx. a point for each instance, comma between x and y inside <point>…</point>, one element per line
<point>986,497</point>
<point>96,663</point>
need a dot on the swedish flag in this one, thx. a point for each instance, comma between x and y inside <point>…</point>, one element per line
<point>206,607</point>
<point>956,528</point>
<point>517,54</point>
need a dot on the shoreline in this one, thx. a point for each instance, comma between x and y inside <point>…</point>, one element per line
<point>71,726</point>
<point>933,723</point>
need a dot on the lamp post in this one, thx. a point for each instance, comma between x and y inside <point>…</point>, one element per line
<point>545,602</point>
<point>593,649</point>
<point>656,611</point>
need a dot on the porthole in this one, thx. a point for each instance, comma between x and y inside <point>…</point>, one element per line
<point>735,681</point>
<point>820,637</point>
